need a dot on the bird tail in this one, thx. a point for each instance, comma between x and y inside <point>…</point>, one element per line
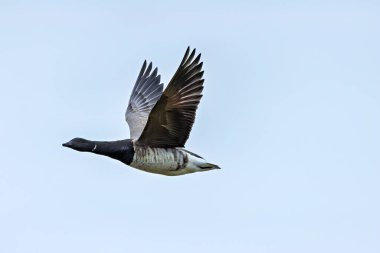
<point>197,162</point>
<point>208,166</point>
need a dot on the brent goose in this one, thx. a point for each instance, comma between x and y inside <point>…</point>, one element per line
<point>159,122</point>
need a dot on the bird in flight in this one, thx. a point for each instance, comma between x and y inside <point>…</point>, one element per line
<point>159,122</point>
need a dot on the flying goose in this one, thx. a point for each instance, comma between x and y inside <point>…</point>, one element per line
<point>159,122</point>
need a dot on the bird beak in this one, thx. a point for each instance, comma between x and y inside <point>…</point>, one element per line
<point>67,144</point>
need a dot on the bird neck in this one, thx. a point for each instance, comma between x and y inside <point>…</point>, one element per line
<point>120,150</point>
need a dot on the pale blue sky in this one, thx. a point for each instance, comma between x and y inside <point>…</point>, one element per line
<point>291,112</point>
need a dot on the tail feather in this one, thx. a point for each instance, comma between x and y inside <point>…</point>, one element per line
<point>198,163</point>
<point>208,166</point>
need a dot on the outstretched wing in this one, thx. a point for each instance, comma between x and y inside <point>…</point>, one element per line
<point>145,94</point>
<point>172,118</point>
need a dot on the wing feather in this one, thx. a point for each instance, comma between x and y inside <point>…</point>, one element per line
<point>172,117</point>
<point>144,96</point>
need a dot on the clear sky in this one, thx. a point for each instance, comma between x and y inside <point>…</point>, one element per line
<point>291,112</point>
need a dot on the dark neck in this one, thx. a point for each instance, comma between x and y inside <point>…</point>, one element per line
<point>120,150</point>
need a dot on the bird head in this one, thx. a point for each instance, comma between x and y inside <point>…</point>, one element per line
<point>80,144</point>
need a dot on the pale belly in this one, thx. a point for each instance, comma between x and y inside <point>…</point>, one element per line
<point>165,161</point>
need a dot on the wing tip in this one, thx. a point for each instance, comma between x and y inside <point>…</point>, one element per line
<point>188,58</point>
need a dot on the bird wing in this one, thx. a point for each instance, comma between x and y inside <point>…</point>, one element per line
<point>171,119</point>
<point>145,94</point>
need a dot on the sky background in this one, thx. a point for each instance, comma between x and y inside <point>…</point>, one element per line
<point>291,112</point>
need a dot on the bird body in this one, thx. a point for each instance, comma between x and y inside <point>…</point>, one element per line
<point>160,123</point>
<point>168,161</point>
